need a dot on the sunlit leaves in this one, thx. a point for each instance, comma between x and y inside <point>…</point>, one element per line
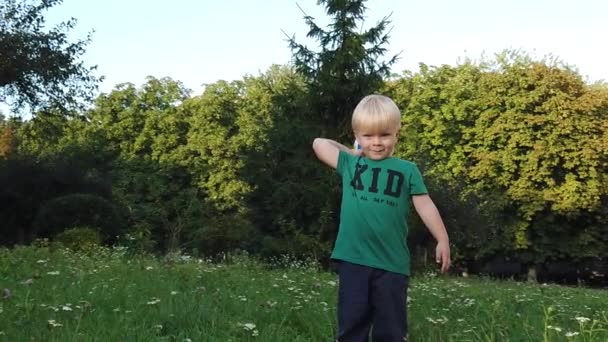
<point>529,131</point>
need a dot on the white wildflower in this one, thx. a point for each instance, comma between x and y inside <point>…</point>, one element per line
<point>154,301</point>
<point>247,326</point>
<point>52,323</point>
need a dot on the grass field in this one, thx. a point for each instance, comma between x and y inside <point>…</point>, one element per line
<point>110,296</point>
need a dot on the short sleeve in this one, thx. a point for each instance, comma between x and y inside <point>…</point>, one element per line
<point>344,162</point>
<point>417,186</point>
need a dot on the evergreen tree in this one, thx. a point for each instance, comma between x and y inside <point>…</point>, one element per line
<point>347,66</point>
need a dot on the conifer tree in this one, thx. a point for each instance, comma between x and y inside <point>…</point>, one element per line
<point>347,66</point>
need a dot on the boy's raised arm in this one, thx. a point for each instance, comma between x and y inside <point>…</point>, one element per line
<point>328,151</point>
<point>429,214</point>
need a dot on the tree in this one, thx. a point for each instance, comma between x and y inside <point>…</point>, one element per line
<point>439,105</point>
<point>215,154</point>
<point>7,142</point>
<point>290,207</point>
<point>348,65</point>
<point>538,136</point>
<point>26,184</point>
<point>526,139</point>
<point>42,135</point>
<point>144,130</point>
<point>7,138</point>
<point>141,122</point>
<point>41,68</point>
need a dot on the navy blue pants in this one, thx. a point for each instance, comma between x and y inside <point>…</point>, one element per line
<point>371,299</point>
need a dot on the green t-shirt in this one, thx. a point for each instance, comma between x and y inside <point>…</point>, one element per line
<point>375,207</point>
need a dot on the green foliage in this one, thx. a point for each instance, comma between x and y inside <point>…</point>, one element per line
<point>141,122</point>
<point>538,141</point>
<point>76,210</point>
<point>144,133</point>
<point>514,152</point>
<point>161,205</point>
<point>26,183</point>
<point>546,152</point>
<point>43,135</point>
<point>216,154</point>
<point>348,65</point>
<point>522,139</point>
<point>38,67</point>
<point>138,240</point>
<point>20,185</point>
<point>294,239</point>
<point>79,239</point>
<point>223,233</point>
<point>281,165</point>
<point>232,168</point>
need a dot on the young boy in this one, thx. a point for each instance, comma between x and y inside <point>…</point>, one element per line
<point>371,247</point>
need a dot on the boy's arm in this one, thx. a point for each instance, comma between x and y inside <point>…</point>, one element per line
<point>429,214</point>
<point>328,151</point>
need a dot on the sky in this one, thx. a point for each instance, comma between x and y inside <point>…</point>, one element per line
<point>202,41</point>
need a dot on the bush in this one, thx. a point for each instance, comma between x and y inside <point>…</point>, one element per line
<point>78,210</point>
<point>138,240</point>
<point>222,233</point>
<point>79,239</point>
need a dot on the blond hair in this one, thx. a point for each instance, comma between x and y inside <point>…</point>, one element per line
<point>376,113</point>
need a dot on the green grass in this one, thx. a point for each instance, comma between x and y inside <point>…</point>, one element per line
<point>109,296</point>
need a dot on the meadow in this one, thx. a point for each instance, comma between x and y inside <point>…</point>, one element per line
<point>110,295</point>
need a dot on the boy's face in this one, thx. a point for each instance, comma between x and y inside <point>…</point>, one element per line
<point>377,145</point>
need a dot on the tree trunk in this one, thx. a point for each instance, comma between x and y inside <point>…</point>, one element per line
<point>532,274</point>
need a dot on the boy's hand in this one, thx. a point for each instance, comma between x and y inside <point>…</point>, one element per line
<point>429,214</point>
<point>328,151</point>
<point>442,255</point>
